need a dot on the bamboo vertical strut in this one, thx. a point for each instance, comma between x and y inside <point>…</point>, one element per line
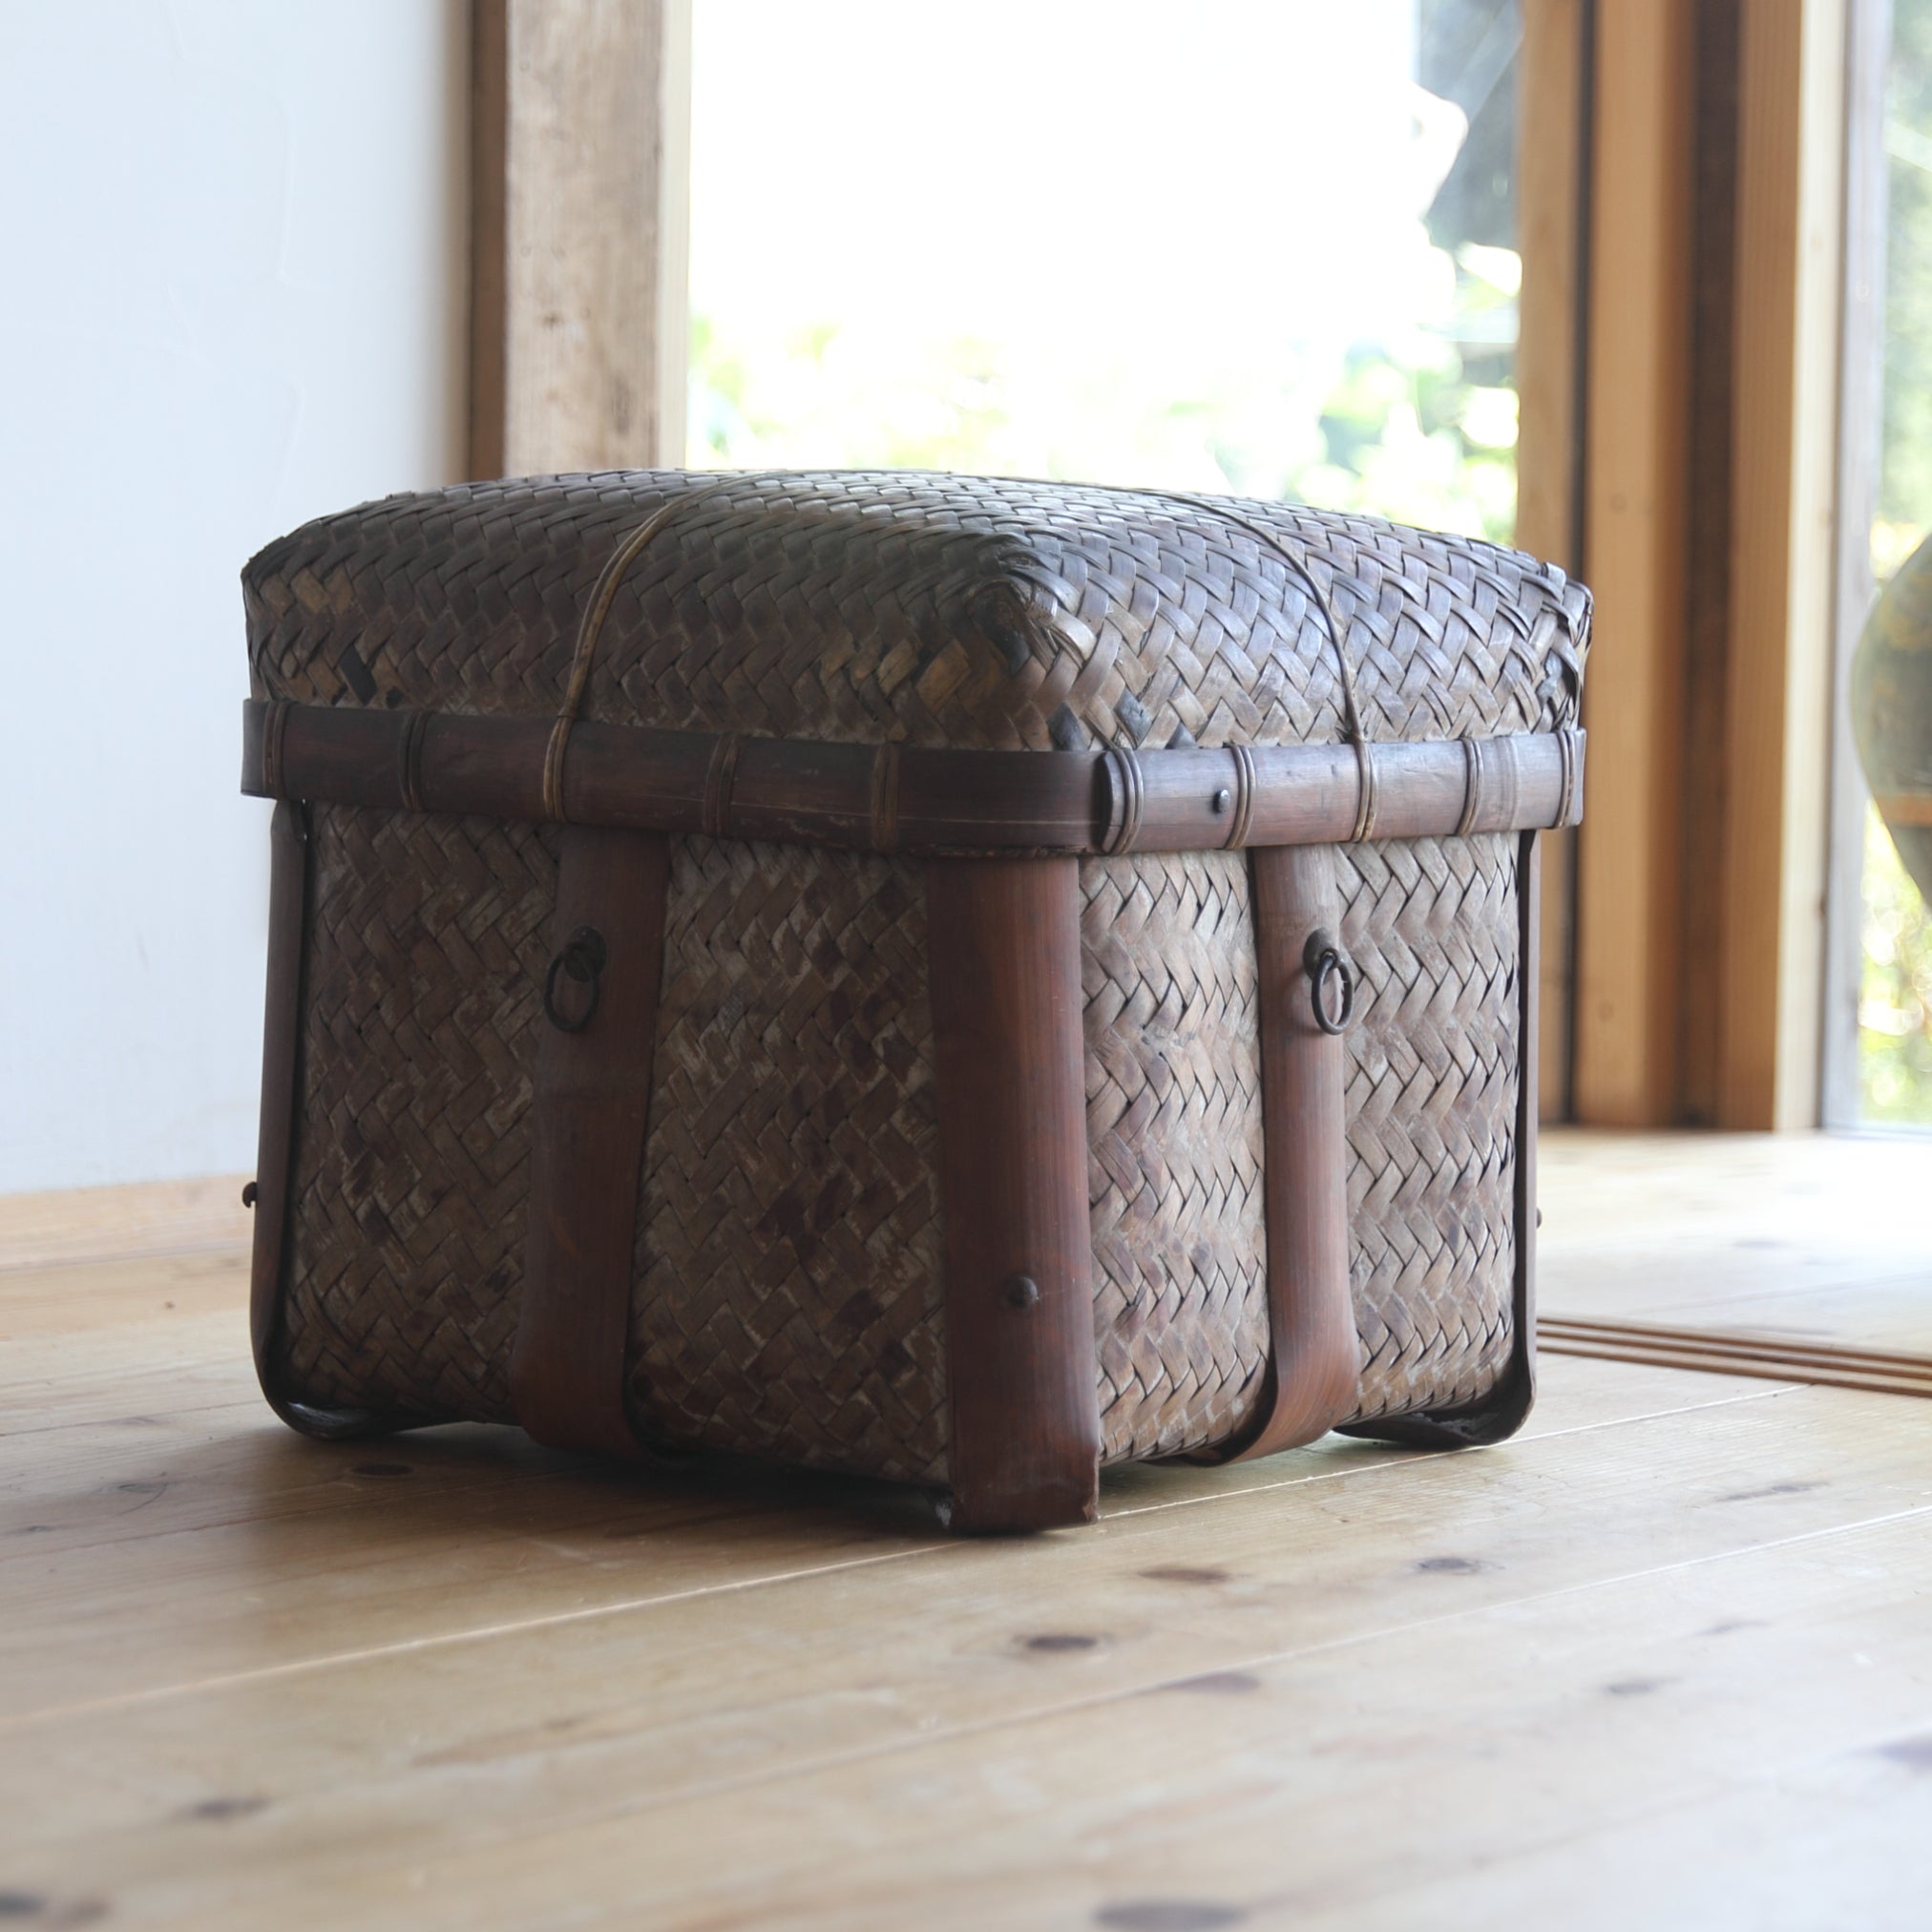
<point>1517,1396</point>
<point>592,1103</point>
<point>1005,963</point>
<point>281,1030</point>
<point>288,896</point>
<point>1314,1357</point>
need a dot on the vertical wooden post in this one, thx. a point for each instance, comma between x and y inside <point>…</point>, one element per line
<point>1004,947</point>
<point>1776,745</point>
<point>1861,367</point>
<point>1552,183</point>
<point>1314,1357</point>
<point>1709,510</point>
<point>580,141</point>
<point>590,1109</point>
<point>1627,892</point>
<point>1715,274</point>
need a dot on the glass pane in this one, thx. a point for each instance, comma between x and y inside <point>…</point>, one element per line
<point>1894,1008</point>
<point>1266,248</point>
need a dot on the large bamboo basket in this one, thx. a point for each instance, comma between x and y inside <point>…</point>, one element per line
<point>828,710</point>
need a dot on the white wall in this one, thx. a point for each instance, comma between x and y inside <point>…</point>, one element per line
<point>231,298</point>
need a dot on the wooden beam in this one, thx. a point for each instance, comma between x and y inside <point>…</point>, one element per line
<point>1776,740</point>
<point>1707,511</point>
<point>1711,478</point>
<point>580,141</point>
<point>1627,934</point>
<point>1551,178</point>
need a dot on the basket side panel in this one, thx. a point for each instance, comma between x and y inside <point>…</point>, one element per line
<point>1173,1078</point>
<point>1434,1067</point>
<point>410,1193</point>
<point>789,1262</point>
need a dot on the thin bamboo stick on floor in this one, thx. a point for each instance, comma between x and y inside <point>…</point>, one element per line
<point>1825,1364</point>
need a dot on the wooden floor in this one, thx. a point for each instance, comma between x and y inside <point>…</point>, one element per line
<point>1666,1660</point>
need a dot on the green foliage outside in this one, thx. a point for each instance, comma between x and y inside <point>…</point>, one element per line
<point>1212,380</point>
<point>1420,427</point>
<point>1905,478</point>
<point>1417,424</point>
<point>1895,1004</point>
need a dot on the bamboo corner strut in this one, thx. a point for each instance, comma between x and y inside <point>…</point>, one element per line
<point>959,981</point>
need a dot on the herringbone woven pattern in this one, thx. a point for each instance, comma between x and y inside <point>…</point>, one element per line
<point>428,943</point>
<point>790,1249</point>
<point>933,609</point>
<point>1173,1080</point>
<point>788,1259</point>
<point>789,1256</point>
<point>1433,1067</point>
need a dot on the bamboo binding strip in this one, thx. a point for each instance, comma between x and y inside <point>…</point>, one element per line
<point>904,798</point>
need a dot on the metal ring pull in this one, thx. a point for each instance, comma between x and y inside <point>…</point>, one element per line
<point>583,960</point>
<point>1324,961</point>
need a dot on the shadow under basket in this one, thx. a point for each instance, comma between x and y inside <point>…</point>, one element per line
<point>948,979</point>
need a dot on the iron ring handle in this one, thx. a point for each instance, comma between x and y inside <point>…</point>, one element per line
<point>1325,963</point>
<point>581,959</point>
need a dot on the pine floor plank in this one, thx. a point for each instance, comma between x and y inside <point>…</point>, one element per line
<point>149,1218</point>
<point>682,1699</point>
<point>1665,1659</point>
<point>1824,1237</point>
<point>164,1292</point>
<point>1575,1749</point>
<point>354,1546</point>
<point>222,1457</point>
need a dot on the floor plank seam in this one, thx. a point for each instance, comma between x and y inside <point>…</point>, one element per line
<point>463,1482</point>
<point>118,1257</point>
<point>299,1667</point>
<point>1517,1443</point>
<point>308,1666</point>
<point>831,1761</point>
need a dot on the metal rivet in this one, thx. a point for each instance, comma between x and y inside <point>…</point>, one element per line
<point>1221,800</point>
<point>1021,1290</point>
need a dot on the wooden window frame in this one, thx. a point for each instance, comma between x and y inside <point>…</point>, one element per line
<point>1707,447</point>
<point>579,234</point>
<point>1861,429</point>
<point>1679,448</point>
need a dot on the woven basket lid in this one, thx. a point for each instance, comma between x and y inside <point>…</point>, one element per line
<point>924,609</point>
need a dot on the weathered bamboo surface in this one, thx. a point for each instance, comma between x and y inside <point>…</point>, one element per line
<point>923,802</point>
<point>812,685</point>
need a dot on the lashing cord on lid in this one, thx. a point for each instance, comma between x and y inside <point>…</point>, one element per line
<point>1352,710</point>
<point>590,627</point>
